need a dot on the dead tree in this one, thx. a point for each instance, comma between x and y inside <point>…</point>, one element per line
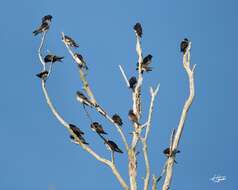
<point>134,84</point>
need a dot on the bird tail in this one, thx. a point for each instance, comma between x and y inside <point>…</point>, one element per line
<point>104,133</point>
<point>103,138</point>
<point>60,59</point>
<point>35,32</point>
<point>119,150</point>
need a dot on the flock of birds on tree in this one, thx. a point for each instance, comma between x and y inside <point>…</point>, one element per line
<point>95,126</point>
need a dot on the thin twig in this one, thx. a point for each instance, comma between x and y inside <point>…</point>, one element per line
<point>171,140</point>
<point>157,179</point>
<point>188,103</point>
<point>124,75</point>
<point>40,49</point>
<point>153,94</point>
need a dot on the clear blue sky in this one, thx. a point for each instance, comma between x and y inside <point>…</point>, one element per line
<point>35,149</point>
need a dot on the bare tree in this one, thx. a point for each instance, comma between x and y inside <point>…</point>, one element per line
<point>134,84</point>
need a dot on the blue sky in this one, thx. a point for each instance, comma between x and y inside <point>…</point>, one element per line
<point>35,149</point>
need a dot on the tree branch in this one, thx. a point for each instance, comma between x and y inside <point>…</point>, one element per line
<point>98,108</point>
<point>124,76</point>
<point>155,179</point>
<point>82,76</point>
<point>190,72</point>
<point>66,125</point>
<point>136,97</point>
<point>39,50</point>
<point>153,94</point>
<point>85,147</point>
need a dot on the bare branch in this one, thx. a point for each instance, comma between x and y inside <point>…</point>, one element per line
<point>188,103</point>
<point>157,179</point>
<point>119,130</point>
<point>86,148</point>
<point>154,183</point>
<point>136,96</point>
<point>82,76</point>
<point>153,95</point>
<point>171,140</point>
<point>147,164</point>
<point>39,50</point>
<point>112,157</point>
<point>66,125</point>
<point>90,94</point>
<point>124,76</point>
<point>144,140</point>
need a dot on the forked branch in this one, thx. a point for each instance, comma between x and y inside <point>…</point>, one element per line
<point>66,125</point>
<point>97,107</point>
<point>153,94</point>
<point>188,103</point>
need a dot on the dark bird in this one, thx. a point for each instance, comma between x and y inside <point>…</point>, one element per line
<point>132,116</point>
<point>95,126</point>
<point>80,61</point>
<point>145,64</point>
<point>138,29</point>
<point>52,58</point>
<point>132,82</point>
<point>47,19</point>
<point>147,60</point>
<point>168,152</point>
<point>117,119</point>
<point>43,75</point>
<point>78,133</point>
<point>83,99</point>
<point>70,42</point>
<point>82,140</point>
<point>43,28</point>
<point>76,130</point>
<point>184,45</point>
<point>112,146</point>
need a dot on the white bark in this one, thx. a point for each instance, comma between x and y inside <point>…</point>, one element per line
<point>66,125</point>
<point>190,72</point>
<point>93,100</point>
<point>153,94</point>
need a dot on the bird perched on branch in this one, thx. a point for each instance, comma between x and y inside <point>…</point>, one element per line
<point>95,126</point>
<point>132,116</point>
<point>76,130</point>
<point>112,146</point>
<point>43,28</point>
<point>83,99</point>
<point>138,29</point>
<point>80,61</point>
<point>78,133</point>
<point>43,75</point>
<point>70,42</point>
<point>45,25</point>
<point>184,45</point>
<point>132,82</point>
<point>168,153</point>
<point>82,140</point>
<point>52,58</point>
<point>47,19</point>
<point>117,119</point>
<point>145,64</point>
